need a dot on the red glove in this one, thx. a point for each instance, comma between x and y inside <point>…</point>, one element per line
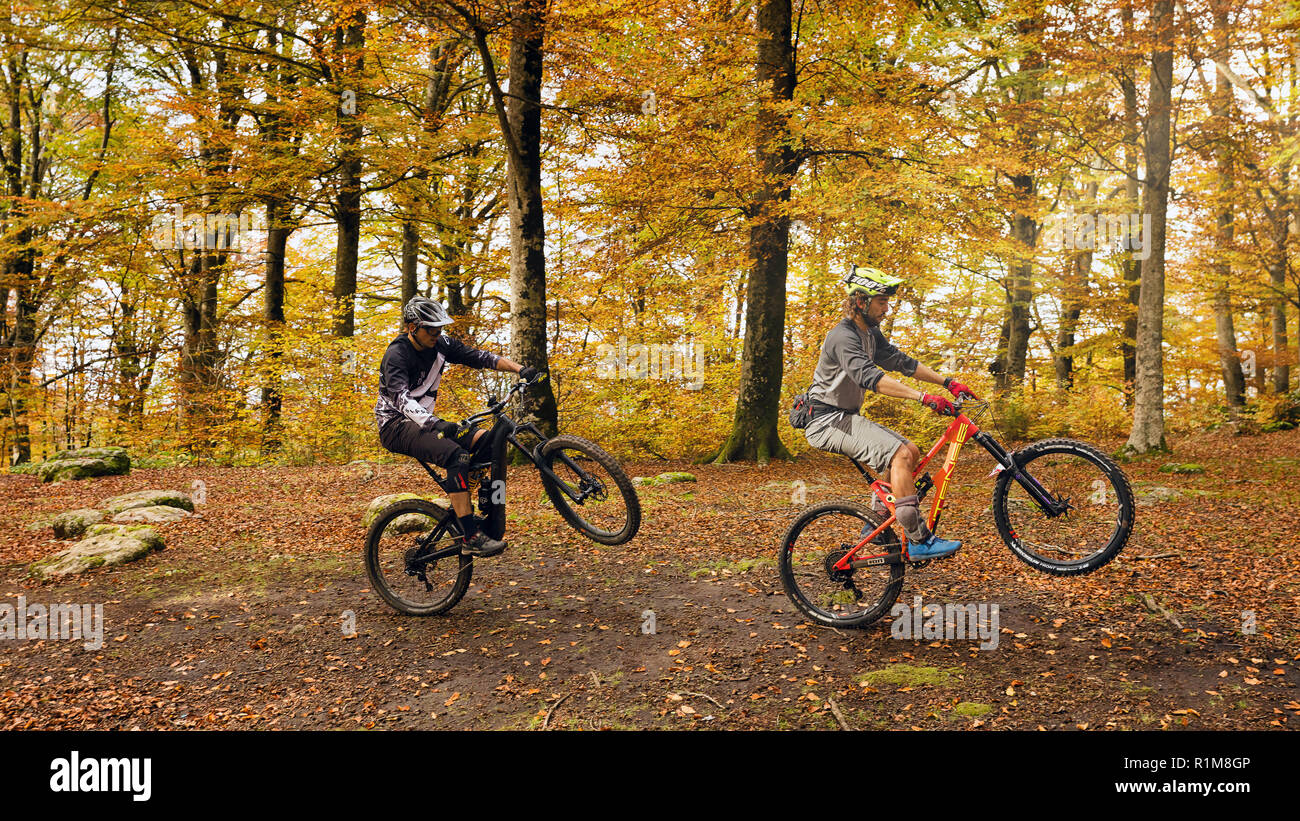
<point>957,389</point>
<point>938,404</point>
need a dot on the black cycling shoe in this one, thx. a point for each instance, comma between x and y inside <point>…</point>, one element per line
<point>482,545</point>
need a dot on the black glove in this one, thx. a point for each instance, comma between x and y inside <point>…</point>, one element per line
<point>528,374</point>
<point>442,426</point>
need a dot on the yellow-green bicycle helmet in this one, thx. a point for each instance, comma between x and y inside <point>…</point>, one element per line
<point>871,281</point>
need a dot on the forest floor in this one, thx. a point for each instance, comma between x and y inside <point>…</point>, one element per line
<point>239,622</point>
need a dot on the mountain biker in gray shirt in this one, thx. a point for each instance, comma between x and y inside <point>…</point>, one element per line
<point>853,360</point>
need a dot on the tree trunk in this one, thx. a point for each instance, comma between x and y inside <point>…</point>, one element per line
<point>1132,265</point>
<point>349,39</point>
<point>527,226</point>
<point>1277,268</point>
<point>1024,229</point>
<point>1148,413</point>
<point>1076,291</point>
<point>753,434</point>
<point>197,376</point>
<point>126,347</point>
<point>410,260</point>
<point>277,240</point>
<point>1225,332</point>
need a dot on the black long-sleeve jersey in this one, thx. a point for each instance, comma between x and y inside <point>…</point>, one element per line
<point>408,379</point>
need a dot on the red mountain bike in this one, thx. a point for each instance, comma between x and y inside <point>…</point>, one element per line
<point>1062,506</point>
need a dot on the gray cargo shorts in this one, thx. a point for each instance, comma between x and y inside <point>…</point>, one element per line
<point>857,437</point>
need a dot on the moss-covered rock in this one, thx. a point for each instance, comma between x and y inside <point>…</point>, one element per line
<point>668,478</point>
<point>153,514</point>
<point>107,545</point>
<point>82,463</point>
<point>73,523</point>
<point>1187,467</point>
<point>404,524</point>
<point>147,498</point>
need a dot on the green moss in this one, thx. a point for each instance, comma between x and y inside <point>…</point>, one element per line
<point>724,567</point>
<point>906,675</point>
<point>970,708</point>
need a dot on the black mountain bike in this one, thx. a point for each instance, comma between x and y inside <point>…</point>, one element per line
<point>413,547</point>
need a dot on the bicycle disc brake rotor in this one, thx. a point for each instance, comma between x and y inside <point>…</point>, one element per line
<point>593,488</point>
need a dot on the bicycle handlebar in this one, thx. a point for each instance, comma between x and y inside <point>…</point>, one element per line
<point>495,406</point>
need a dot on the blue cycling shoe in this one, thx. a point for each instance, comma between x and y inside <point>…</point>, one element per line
<point>933,548</point>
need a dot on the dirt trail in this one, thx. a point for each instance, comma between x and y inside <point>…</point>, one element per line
<point>240,621</point>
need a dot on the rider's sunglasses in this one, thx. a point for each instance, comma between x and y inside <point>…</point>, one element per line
<point>433,330</point>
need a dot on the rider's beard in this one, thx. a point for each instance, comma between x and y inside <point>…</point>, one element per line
<point>866,316</point>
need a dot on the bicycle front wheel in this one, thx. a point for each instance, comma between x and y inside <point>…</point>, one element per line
<point>815,542</point>
<point>399,545</point>
<point>1095,508</point>
<point>590,490</point>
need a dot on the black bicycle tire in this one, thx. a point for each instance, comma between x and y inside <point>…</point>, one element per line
<point>377,580</point>
<point>786,569</point>
<point>1123,490</point>
<point>610,464</point>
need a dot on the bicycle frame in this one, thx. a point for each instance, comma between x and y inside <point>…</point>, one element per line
<point>504,431</point>
<point>959,431</point>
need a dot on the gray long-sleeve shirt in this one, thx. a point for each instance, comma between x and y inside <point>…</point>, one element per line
<point>851,363</point>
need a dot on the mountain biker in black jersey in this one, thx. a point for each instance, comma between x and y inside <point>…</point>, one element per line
<point>408,388</point>
<point>853,360</point>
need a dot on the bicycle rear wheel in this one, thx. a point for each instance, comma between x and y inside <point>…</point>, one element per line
<point>1098,515</point>
<point>398,545</point>
<point>815,542</point>
<point>593,494</point>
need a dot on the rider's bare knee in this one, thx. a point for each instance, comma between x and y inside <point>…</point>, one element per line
<point>906,455</point>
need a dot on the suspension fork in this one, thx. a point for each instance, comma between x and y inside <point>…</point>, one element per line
<point>1007,461</point>
<point>535,456</point>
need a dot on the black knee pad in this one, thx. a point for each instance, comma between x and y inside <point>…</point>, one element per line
<point>457,480</point>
